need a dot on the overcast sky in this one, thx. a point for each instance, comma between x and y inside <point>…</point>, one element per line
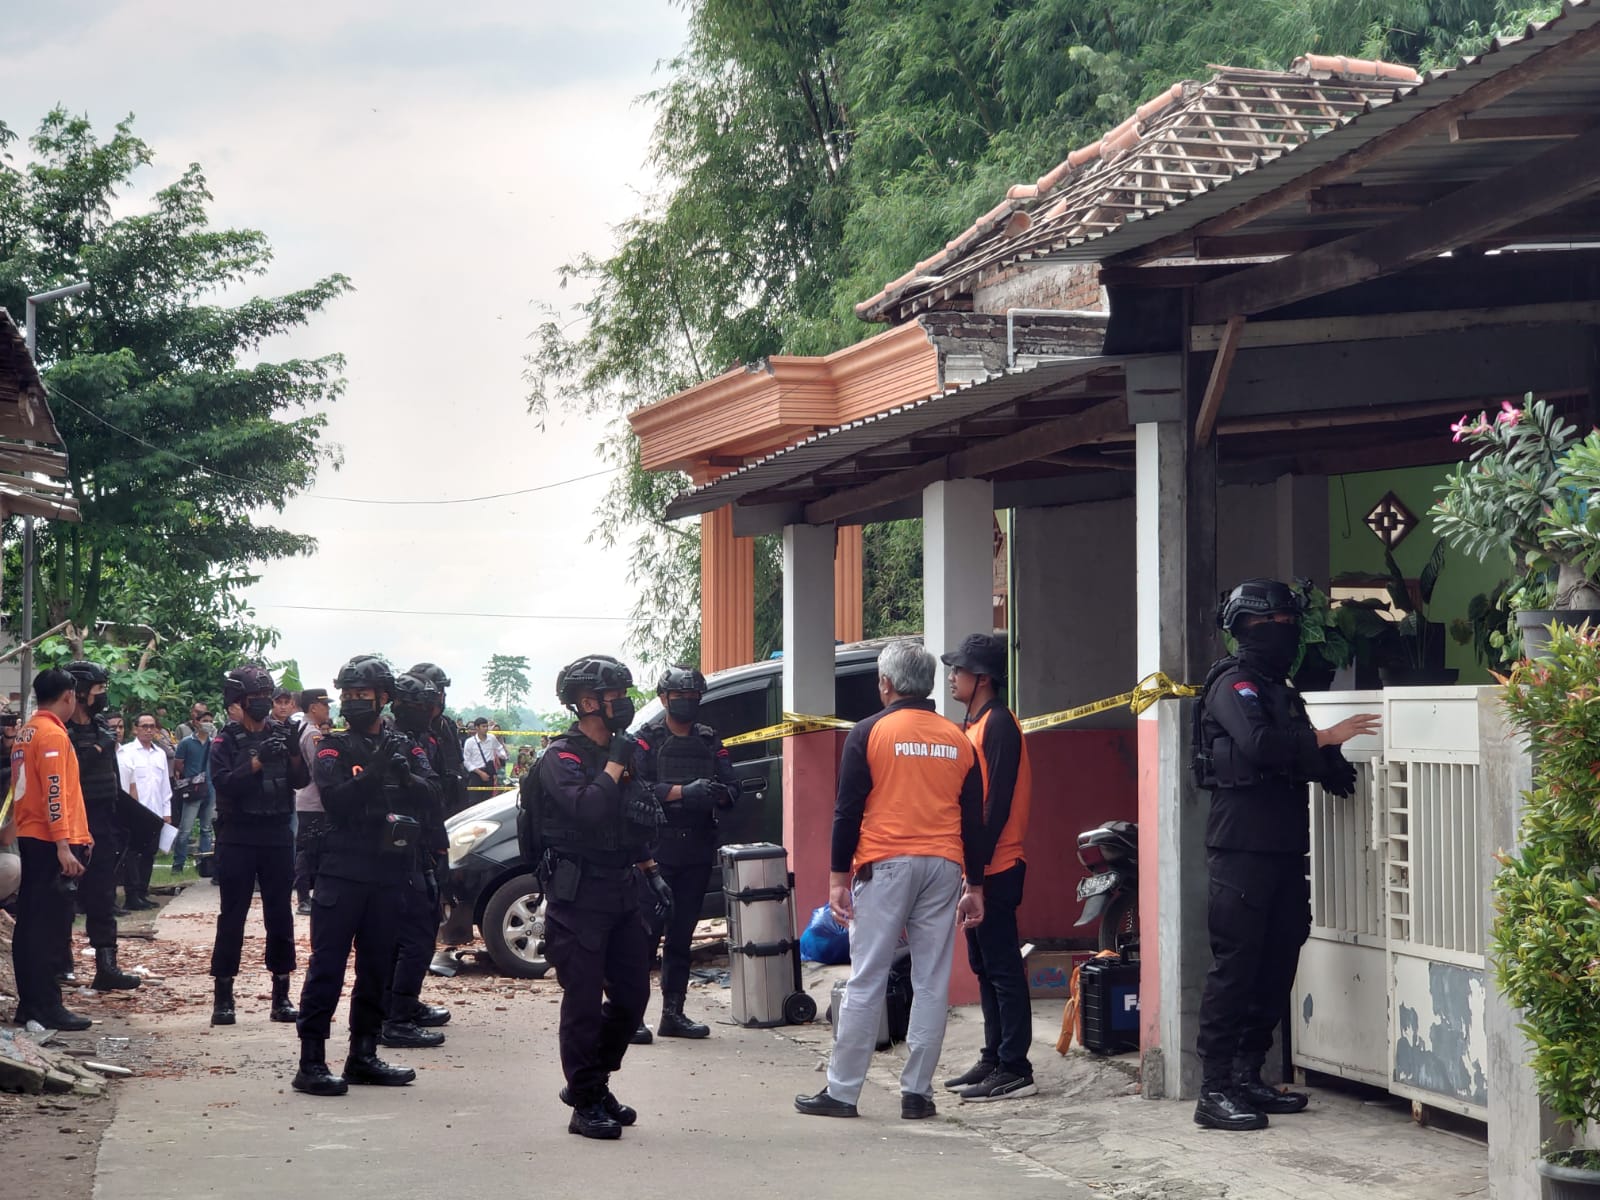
<point>448,158</point>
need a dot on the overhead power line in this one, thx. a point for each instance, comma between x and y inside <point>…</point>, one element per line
<point>57,393</point>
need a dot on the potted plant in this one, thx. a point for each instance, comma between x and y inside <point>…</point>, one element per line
<point>1420,641</point>
<point>1545,941</point>
<point>1324,646</point>
<point>1489,628</point>
<point>1527,490</point>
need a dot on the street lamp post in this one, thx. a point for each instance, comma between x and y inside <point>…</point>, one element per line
<point>30,326</point>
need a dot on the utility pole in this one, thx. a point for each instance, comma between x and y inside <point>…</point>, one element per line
<point>30,325</point>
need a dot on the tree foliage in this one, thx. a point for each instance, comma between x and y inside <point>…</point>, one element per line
<point>811,150</point>
<point>179,433</point>
<point>505,676</point>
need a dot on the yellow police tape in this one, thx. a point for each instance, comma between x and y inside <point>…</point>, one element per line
<point>1153,687</point>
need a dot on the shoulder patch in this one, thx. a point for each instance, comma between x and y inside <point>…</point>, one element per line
<point>1246,689</point>
<point>330,752</point>
<point>643,745</point>
<point>569,756</point>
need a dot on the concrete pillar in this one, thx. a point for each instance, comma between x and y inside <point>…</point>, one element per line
<point>1519,1125</point>
<point>810,760</point>
<point>1302,549</point>
<point>1176,556</point>
<point>957,568</point>
<point>727,593</point>
<point>847,625</point>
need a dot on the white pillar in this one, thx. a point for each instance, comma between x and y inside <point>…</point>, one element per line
<point>808,619</point>
<point>957,569</point>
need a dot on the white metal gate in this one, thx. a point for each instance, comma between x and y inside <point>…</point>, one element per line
<point>1391,985</point>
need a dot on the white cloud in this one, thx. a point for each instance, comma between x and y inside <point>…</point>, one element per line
<point>414,157</point>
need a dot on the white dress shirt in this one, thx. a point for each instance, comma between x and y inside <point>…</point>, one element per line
<point>144,773</point>
<point>483,754</point>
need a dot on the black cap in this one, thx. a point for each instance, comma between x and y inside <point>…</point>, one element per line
<point>980,653</point>
<point>311,696</point>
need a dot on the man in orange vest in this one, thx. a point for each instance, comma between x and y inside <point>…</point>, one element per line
<point>977,679</point>
<point>51,826</point>
<point>907,823</point>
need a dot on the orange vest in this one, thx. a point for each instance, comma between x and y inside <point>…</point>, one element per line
<point>919,762</point>
<point>44,780</point>
<point>1008,847</point>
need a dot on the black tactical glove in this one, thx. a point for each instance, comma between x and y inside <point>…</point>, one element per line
<point>1338,774</point>
<point>400,764</point>
<point>661,892</point>
<point>725,794</point>
<point>622,748</point>
<point>698,795</point>
<point>273,748</point>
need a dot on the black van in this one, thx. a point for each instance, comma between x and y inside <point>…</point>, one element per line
<point>489,880</point>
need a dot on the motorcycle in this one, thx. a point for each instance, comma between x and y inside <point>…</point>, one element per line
<point>1110,892</point>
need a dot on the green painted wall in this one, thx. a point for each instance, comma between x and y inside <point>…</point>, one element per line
<point>1352,547</point>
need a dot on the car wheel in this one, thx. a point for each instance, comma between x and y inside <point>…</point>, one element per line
<point>513,928</point>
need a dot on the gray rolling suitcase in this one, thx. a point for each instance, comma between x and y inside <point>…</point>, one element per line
<point>763,947</point>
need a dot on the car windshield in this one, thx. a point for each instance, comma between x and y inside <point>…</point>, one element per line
<point>646,714</point>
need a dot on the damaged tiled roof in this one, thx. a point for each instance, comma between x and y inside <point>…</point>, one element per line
<point>1187,140</point>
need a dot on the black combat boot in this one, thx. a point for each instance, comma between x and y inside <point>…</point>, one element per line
<point>641,1036</point>
<point>675,1024</point>
<point>1263,1097</point>
<point>408,1035</point>
<point>57,1017</point>
<point>222,1000</point>
<point>313,1077</point>
<point>107,976</point>
<point>593,1121</point>
<point>364,1066</point>
<point>429,1016</point>
<point>283,1008</point>
<point>622,1114</point>
<point>1220,1107</point>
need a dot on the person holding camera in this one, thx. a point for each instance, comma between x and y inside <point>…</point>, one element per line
<point>51,827</point>
<point>597,822</point>
<point>251,770</point>
<point>377,790</point>
<point>692,776</point>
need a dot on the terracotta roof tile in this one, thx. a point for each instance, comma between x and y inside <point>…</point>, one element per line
<point>1184,141</point>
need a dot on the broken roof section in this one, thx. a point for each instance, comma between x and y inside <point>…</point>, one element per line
<point>1186,141</point>
<point>33,460</point>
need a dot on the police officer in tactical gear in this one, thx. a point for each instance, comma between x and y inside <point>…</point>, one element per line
<point>251,772</point>
<point>596,822</point>
<point>408,1021</point>
<point>446,755</point>
<point>684,764</point>
<point>1256,749</point>
<point>101,782</point>
<point>378,791</point>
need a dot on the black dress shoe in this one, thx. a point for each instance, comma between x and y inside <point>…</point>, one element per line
<point>914,1107</point>
<point>1265,1098</point>
<point>593,1121</point>
<point>1224,1110</point>
<point>641,1036</point>
<point>59,1018</point>
<point>405,1035</point>
<point>619,1112</point>
<point>824,1105</point>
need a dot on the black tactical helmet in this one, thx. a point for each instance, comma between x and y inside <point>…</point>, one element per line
<point>245,681</point>
<point>365,671</point>
<point>86,674</point>
<point>434,675</point>
<point>414,689</point>
<point>1258,597</point>
<point>591,673</point>
<point>980,653</point>
<point>681,679</point>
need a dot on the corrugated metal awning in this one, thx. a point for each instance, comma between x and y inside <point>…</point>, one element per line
<point>33,461</point>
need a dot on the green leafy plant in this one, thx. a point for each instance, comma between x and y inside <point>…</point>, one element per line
<point>1484,628</point>
<point>1415,630</point>
<point>1545,944</point>
<point>1528,491</point>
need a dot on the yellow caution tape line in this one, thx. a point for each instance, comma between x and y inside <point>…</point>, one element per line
<point>792,724</point>
<point>1152,688</point>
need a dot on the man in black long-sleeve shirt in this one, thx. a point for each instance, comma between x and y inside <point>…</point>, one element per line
<point>907,819</point>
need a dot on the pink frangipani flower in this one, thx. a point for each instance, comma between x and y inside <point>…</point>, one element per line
<point>1509,414</point>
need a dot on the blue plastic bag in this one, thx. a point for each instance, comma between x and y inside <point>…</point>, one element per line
<point>824,939</point>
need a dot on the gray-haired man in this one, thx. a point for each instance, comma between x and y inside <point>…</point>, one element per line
<point>908,818</point>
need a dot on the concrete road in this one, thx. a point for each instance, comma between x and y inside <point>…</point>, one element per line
<point>483,1119</point>
<point>213,1114</point>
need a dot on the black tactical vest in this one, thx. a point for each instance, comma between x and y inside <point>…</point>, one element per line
<point>275,798</point>
<point>98,775</point>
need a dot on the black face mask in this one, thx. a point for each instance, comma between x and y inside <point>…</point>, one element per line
<point>258,708</point>
<point>97,705</point>
<point>684,708</point>
<point>359,714</point>
<point>1269,646</point>
<point>618,714</point>
<point>408,717</point>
